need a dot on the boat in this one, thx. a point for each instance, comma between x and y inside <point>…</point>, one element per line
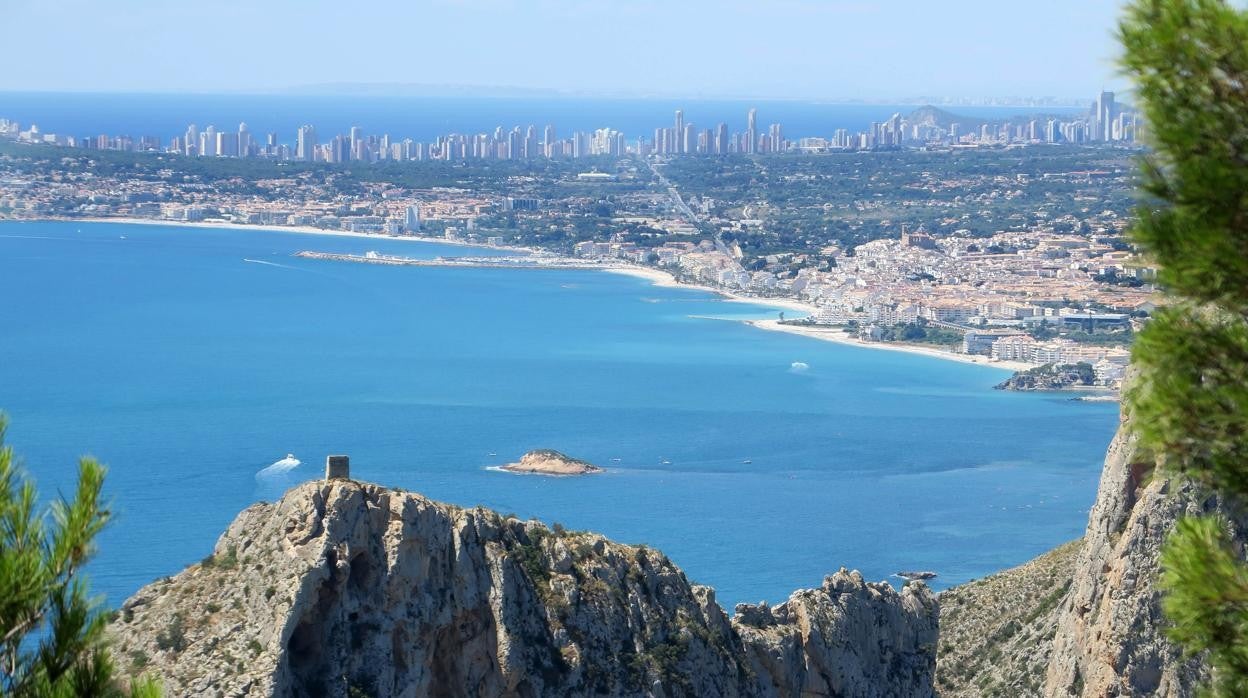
<point>908,575</point>
<point>747,461</point>
<point>665,462</point>
<point>491,454</point>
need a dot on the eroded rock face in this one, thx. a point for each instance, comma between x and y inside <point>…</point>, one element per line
<point>1110,638</point>
<point>345,585</point>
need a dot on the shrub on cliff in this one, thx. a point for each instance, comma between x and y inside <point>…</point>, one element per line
<point>51,631</point>
<point>1189,62</point>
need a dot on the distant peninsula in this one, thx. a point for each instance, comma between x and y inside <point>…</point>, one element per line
<point>544,461</point>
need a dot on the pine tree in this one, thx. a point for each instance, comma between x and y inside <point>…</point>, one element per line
<point>1189,63</point>
<point>51,630</point>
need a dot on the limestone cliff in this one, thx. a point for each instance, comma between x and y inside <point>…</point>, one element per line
<point>348,589</point>
<point>1110,638</point>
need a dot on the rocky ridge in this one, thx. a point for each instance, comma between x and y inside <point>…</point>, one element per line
<point>344,588</point>
<point>996,633</point>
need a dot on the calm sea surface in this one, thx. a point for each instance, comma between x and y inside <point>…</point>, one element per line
<point>189,360</point>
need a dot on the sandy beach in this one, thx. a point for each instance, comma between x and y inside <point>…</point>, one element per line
<point>661,278</point>
<point>836,334</point>
<point>827,334</point>
<point>301,229</point>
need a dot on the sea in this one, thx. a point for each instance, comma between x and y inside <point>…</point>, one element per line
<point>191,360</point>
<point>165,115</point>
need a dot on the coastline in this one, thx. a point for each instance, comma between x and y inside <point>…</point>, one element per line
<point>299,229</point>
<point>666,280</point>
<point>657,277</point>
<point>837,335</point>
<point>827,334</point>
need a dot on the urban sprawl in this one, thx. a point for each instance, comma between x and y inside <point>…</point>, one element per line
<point>925,229</point>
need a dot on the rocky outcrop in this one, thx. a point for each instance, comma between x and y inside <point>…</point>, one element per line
<point>344,588</point>
<point>1051,377</point>
<point>996,633</point>
<point>1110,638</point>
<point>544,461</point>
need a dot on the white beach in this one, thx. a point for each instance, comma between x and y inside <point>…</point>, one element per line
<point>838,335</point>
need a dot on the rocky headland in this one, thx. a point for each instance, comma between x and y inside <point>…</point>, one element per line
<point>545,461</point>
<point>344,588</point>
<point>1051,377</point>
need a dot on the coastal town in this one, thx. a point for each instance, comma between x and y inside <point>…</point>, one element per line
<point>942,251</point>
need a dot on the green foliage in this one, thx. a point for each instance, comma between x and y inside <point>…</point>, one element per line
<point>1191,399</point>
<point>1206,589</point>
<point>1189,59</point>
<point>173,637</point>
<point>51,630</point>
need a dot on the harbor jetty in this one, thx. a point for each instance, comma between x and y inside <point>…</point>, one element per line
<point>503,262</point>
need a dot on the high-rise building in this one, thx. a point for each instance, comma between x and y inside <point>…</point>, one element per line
<point>1105,114</point>
<point>305,143</point>
<point>357,134</point>
<point>530,142</point>
<point>680,131</point>
<point>515,145</point>
<point>688,139</point>
<point>777,138</point>
<point>411,221</point>
<point>721,139</point>
<point>244,141</point>
<point>340,148</point>
<point>191,144</point>
<point>208,142</point>
<point>751,131</point>
<point>548,141</point>
<point>227,144</point>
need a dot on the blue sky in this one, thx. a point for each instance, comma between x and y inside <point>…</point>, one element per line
<point>807,49</point>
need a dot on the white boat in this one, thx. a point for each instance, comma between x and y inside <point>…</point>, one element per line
<point>280,467</point>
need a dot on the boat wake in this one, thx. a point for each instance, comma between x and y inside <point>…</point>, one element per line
<point>271,264</point>
<point>280,467</point>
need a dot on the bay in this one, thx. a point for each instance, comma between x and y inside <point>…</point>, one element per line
<point>190,359</point>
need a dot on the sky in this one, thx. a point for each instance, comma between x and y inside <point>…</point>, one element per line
<point>796,49</point>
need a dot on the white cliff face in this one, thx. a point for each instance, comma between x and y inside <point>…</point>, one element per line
<point>345,588</point>
<point>1110,638</point>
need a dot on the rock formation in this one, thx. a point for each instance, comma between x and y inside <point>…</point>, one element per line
<point>996,633</point>
<point>1110,637</point>
<point>544,461</point>
<point>345,588</point>
<point>1050,377</point>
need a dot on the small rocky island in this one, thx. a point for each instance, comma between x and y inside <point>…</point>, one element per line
<point>545,461</point>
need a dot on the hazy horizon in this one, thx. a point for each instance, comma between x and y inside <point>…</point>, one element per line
<point>785,50</point>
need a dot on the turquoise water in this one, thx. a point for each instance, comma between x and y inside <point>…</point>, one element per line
<point>188,369</point>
